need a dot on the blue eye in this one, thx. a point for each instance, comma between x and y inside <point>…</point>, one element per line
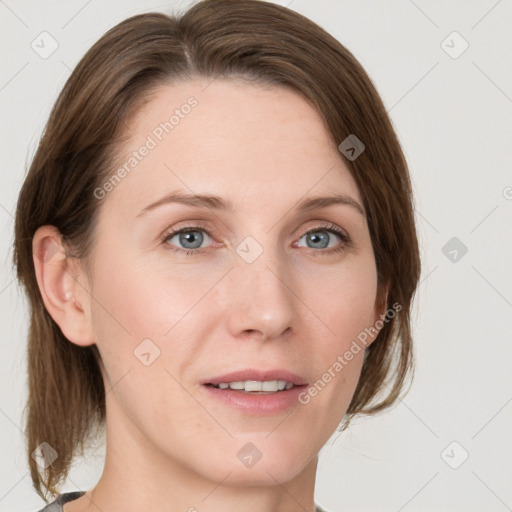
<point>320,239</point>
<point>189,239</point>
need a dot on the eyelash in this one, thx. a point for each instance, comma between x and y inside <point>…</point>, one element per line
<point>331,228</point>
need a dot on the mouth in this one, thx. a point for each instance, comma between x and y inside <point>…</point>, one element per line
<point>256,386</point>
<point>257,381</point>
<point>256,392</point>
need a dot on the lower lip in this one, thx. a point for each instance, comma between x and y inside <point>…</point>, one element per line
<point>255,403</point>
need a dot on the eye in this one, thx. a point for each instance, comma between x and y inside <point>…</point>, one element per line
<point>321,237</point>
<point>189,239</point>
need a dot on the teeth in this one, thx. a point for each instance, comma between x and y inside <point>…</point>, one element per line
<point>270,385</point>
<point>256,385</point>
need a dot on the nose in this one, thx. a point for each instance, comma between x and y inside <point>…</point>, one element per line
<point>260,298</point>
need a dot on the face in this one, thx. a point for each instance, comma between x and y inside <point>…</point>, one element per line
<point>253,281</point>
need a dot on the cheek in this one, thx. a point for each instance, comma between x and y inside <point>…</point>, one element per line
<point>140,336</point>
<point>344,299</point>
<point>143,313</point>
<point>138,301</point>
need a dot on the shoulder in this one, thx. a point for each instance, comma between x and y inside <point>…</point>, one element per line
<point>56,506</point>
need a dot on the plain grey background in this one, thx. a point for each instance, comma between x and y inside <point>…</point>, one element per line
<point>447,445</point>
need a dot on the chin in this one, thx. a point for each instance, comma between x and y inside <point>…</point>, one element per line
<point>261,474</point>
<point>255,460</point>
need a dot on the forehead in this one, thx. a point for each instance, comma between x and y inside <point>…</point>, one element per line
<point>248,142</point>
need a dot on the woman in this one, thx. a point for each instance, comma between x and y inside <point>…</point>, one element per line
<point>217,241</point>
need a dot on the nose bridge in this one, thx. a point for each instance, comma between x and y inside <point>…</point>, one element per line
<point>261,296</point>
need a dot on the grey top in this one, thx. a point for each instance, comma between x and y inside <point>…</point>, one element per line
<point>56,506</point>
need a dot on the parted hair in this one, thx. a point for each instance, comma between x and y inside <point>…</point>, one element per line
<point>249,39</point>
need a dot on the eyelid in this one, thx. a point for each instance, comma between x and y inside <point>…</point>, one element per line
<point>194,226</point>
<point>329,227</point>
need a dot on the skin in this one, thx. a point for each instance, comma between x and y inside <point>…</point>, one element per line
<point>298,306</point>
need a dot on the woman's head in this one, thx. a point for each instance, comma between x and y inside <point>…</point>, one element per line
<point>246,101</point>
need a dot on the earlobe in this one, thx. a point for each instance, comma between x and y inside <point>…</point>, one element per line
<point>59,279</point>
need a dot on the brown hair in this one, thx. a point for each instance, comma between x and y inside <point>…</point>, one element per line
<point>255,40</point>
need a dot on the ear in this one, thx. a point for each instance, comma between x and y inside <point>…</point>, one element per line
<point>63,286</point>
<point>379,315</point>
<point>381,301</point>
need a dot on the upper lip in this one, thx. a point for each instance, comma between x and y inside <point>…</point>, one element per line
<point>255,374</point>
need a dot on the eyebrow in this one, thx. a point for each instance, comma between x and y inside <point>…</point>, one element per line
<point>218,203</point>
